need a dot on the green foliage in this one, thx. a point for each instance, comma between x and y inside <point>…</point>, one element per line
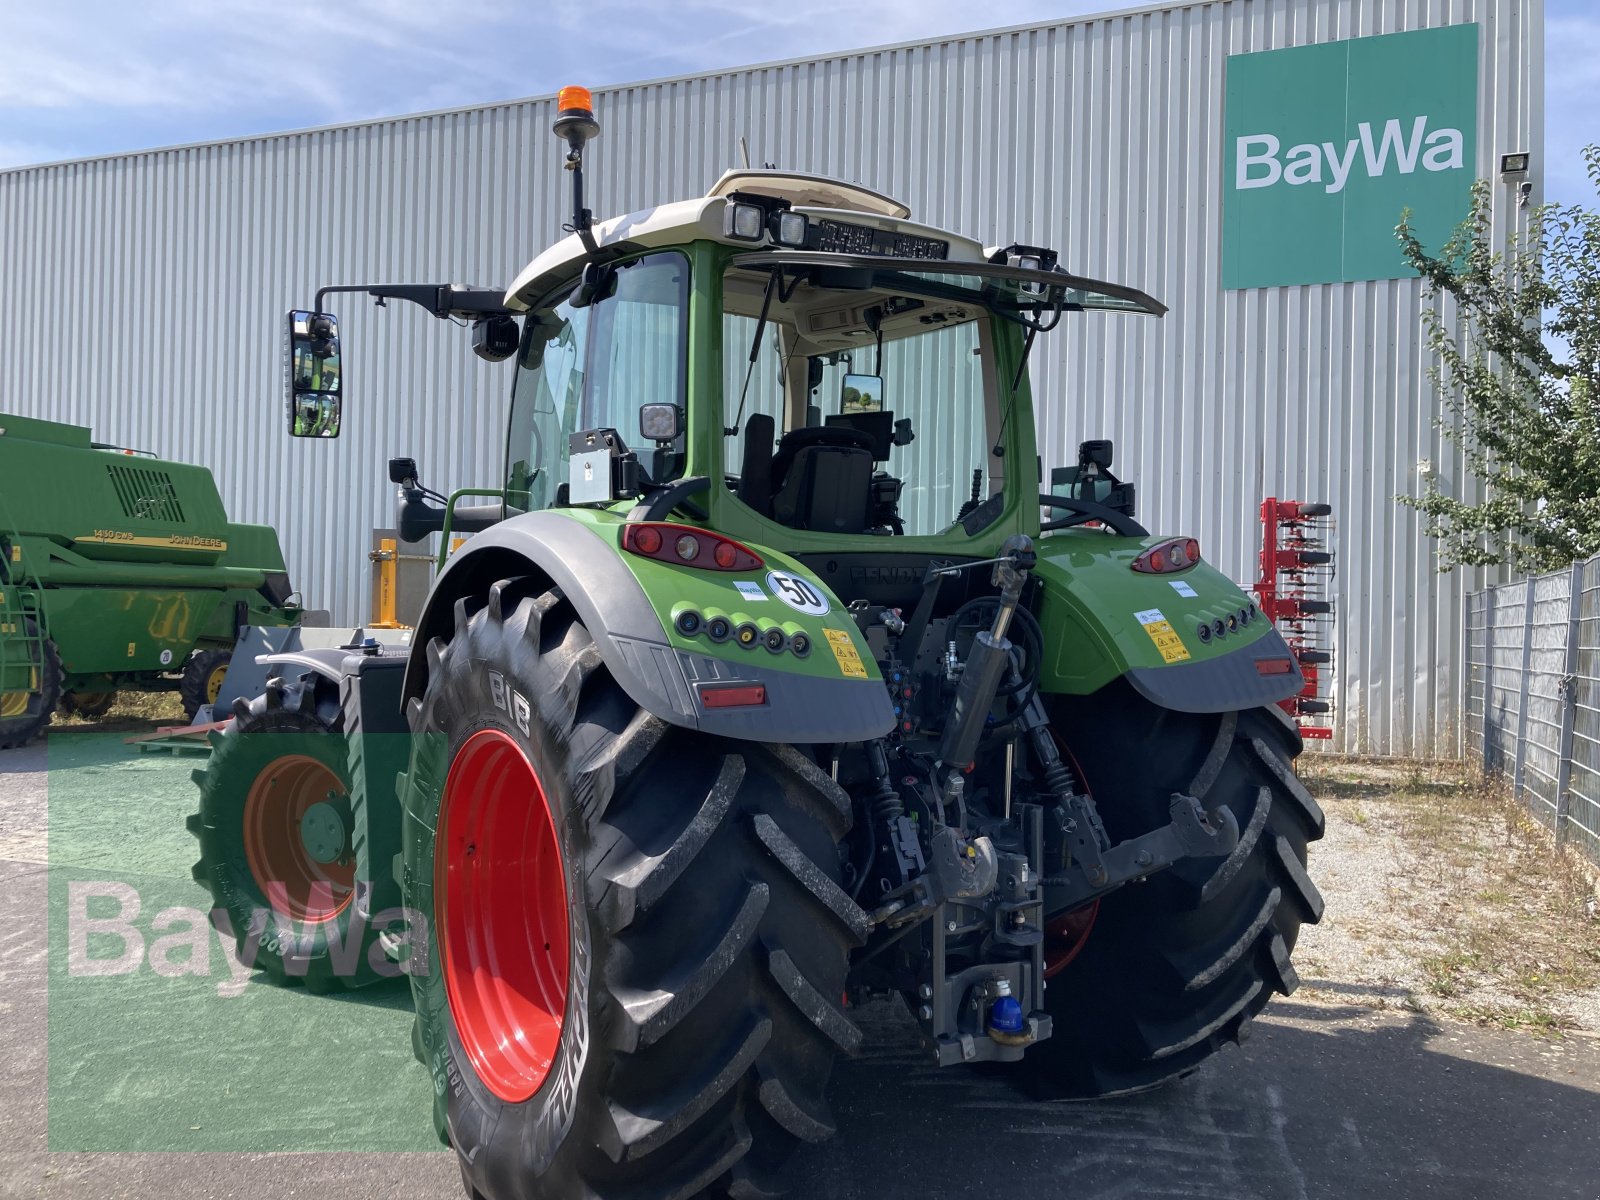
<point>1519,368</point>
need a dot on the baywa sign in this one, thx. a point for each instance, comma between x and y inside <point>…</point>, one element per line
<point>1328,144</point>
<point>1262,167</point>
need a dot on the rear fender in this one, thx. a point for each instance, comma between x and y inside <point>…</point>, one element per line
<point>579,555</point>
<point>1102,620</point>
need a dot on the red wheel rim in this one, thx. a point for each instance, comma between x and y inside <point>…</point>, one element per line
<point>1066,934</point>
<point>293,882</point>
<point>500,894</point>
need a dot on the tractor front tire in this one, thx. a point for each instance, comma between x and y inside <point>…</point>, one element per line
<point>637,938</point>
<point>202,677</point>
<point>1168,971</point>
<point>24,715</point>
<point>289,913</point>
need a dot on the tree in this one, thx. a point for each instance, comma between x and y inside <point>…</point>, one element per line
<point>1519,369</point>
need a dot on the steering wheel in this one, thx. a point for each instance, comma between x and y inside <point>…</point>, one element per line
<point>1090,510</point>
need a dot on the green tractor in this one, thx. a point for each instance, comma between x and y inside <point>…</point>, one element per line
<point>119,571</point>
<point>772,683</point>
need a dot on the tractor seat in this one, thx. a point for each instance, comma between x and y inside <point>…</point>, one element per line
<point>825,480</point>
<point>797,440</point>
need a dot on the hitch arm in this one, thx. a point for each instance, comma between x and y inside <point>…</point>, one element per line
<point>1192,832</point>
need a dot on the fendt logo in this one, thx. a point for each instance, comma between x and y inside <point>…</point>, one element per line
<point>1327,145</point>
<point>1258,163</point>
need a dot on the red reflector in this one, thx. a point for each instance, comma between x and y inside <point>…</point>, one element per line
<point>738,695</point>
<point>1174,554</point>
<point>1274,666</point>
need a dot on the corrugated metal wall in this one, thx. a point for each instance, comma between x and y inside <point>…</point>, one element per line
<point>147,289</point>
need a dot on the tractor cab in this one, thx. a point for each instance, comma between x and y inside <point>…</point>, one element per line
<point>828,367</point>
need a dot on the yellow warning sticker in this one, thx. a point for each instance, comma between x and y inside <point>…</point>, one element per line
<point>844,651</point>
<point>1163,635</point>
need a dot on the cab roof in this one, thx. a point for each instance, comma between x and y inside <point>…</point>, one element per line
<point>818,197</point>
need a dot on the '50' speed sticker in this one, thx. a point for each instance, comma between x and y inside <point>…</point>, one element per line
<point>799,594</point>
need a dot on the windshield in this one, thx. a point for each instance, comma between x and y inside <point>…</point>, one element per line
<point>591,366</point>
<point>866,410</point>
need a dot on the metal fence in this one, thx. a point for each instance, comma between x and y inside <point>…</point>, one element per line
<point>1533,695</point>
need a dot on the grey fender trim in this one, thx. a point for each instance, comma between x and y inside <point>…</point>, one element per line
<point>327,662</point>
<point>1225,684</point>
<point>619,616</point>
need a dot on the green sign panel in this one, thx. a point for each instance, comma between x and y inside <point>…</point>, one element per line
<point>1326,145</point>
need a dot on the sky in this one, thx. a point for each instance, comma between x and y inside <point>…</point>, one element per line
<point>86,77</point>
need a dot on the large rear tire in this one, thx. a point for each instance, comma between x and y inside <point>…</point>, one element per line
<point>664,1021</point>
<point>289,912</point>
<point>1170,970</point>
<point>24,715</point>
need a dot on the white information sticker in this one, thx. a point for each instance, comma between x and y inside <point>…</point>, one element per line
<point>749,589</point>
<point>1148,616</point>
<point>799,594</point>
<point>1182,588</point>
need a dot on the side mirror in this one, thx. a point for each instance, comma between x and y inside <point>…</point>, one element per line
<point>1096,453</point>
<point>861,394</point>
<point>660,423</point>
<point>313,388</point>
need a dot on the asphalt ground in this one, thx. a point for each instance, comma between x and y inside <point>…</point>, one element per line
<point>1323,1101</point>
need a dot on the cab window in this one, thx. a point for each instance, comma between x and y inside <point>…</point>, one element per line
<point>590,361</point>
<point>867,409</point>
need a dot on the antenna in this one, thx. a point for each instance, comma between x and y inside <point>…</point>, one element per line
<point>744,152</point>
<point>575,124</point>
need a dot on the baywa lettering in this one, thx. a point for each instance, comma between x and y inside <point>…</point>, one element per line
<point>1258,163</point>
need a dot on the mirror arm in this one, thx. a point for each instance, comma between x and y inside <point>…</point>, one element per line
<point>439,299</point>
<point>660,504</point>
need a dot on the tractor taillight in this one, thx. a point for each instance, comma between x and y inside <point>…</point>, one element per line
<point>688,546</point>
<point>1175,554</point>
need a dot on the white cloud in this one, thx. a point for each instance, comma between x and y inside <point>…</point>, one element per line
<point>102,76</point>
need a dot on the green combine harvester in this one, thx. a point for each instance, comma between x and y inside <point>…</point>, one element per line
<point>772,681</point>
<point>118,570</point>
